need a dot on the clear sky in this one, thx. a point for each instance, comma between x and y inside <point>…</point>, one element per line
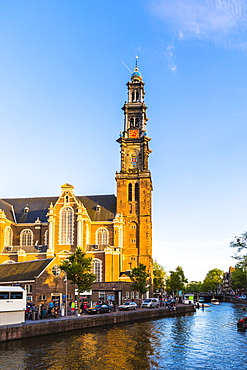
<point>62,86</point>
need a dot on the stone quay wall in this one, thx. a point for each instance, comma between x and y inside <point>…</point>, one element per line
<point>63,324</point>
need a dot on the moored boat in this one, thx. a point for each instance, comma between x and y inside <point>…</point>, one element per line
<point>242,324</point>
<point>215,301</point>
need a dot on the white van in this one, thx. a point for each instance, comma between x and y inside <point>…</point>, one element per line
<point>150,303</point>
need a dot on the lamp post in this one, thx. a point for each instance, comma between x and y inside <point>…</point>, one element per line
<point>66,291</point>
<point>114,290</point>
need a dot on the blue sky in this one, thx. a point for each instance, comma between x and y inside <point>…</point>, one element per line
<point>62,86</point>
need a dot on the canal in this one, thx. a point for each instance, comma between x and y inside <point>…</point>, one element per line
<point>207,339</point>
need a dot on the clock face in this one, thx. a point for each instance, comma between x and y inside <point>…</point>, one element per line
<point>133,133</point>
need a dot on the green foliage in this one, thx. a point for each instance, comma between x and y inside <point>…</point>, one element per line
<point>176,280</point>
<point>239,275</point>
<point>194,287</point>
<point>139,277</point>
<point>240,243</point>
<point>78,270</point>
<point>213,278</point>
<point>159,276</point>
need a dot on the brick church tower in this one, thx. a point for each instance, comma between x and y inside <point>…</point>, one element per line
<point>134,183</point>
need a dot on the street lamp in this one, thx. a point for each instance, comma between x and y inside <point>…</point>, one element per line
<point>66,291</point>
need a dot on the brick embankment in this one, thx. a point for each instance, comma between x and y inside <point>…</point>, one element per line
<point>50,326</point>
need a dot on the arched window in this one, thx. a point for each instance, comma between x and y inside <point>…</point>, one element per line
<point>26,238</point>
<point>102,236</point>
<point>136,192</point>
<point>97,269</point>
<point>130,192</point>
<point>66,225</point>
<point>8,236</point>
<point>46,238</point>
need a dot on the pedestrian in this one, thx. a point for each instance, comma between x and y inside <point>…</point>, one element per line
<point>72,307</point>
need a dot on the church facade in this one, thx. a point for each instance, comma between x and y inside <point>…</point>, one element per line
<point>115,231</point>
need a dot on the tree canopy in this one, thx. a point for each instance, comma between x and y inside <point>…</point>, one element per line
<point>213,278</point>
<point>239,243</point>
<point>176,281</point>
<point>139,277</point>
<point>78,269</point>
<point>159,275</point>
<point>239,275</point>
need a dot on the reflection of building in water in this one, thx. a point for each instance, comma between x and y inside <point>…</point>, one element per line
<point>116,231</point>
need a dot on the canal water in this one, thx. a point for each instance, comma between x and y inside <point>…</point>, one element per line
<point>207,339</point>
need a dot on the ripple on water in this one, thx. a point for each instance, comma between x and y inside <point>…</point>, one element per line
<point>206,340</point>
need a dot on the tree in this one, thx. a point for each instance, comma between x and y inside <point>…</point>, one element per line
<point>240,243</point>
<point>78,269</point>
<point>139,277</point>
<point>212,280</point>
<point>176,280</point>
<point>159,276</point>
<point>238,277</point>
<point>194,287</point>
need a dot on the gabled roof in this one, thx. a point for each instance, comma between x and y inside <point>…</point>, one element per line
<point>8,210</point>
<point>38,207</point>
<point>22,271</point>
<point>107,209</point>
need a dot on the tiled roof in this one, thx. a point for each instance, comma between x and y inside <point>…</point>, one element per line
<point>6,207</point>
<point>107,209</point>
<point>38,207</point>
<point>22,271</point>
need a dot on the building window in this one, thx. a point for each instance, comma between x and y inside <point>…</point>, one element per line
<point>56,270</point>
<point>97,269</point>
<point>127,295</point>
<point>66,225</point>
<point>46,238</point>
<point>42,297</point>
<point>29,288</point>
<point>132,295</point>
<point>130,192</point>
<point>136,192</point>
<point>137,295</point>
<point>26,238</point>
<point>8,236</point>
<point>102,296</point>
<point>102,236</point>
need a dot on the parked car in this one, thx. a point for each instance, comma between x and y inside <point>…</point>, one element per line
<point>100,308</point>
<point>150,303</point>
<point>128,306</point>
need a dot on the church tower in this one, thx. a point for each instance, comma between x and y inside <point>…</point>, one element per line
<point>134,183</point>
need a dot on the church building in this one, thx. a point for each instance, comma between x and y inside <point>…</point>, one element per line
<point>115,231</point>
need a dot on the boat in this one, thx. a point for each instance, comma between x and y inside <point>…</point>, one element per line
<point>242,324</point>
<point>204,304</point>
<point>215,301</point>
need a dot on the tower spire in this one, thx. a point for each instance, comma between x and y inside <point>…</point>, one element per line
<point>137,61</point>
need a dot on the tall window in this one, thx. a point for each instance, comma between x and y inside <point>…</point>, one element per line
<point>66,225</point>
<point>102,236</point>
<point>8,236</point>
<point>136,192</point>
<point>130,192</point>
<point>26,238</point>
<point>97,269</point>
